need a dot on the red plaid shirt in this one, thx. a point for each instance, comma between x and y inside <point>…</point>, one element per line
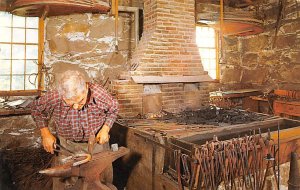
<point>76,125</point>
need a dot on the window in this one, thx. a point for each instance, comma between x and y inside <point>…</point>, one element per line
<point>206,40</point>
<point>19,52</point>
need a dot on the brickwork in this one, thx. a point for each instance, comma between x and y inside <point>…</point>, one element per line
<point>168,43</point>
<point>175,97</point>
<point>167,47</point>
<point>172,97</point>
<point>129,95</point>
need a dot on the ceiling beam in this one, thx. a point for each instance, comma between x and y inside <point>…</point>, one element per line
<point>3,5</point>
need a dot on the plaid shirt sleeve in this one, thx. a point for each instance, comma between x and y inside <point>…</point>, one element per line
<point>110,104</point>
<point>42,107</point>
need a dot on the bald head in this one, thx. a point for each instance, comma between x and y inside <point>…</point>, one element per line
<point>73,88</point>
<point>71,83</point>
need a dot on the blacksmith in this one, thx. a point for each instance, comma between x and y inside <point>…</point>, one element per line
<point>79,109</point>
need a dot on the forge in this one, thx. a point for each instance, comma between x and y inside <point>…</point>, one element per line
<point>164,149</point>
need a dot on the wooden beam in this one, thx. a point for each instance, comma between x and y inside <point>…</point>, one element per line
<point>20,93</point>
<point>6,112</point>
<point>41,84</point>
<point>3,5</point>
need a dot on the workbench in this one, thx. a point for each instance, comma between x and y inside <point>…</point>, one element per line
<point>152,143</point>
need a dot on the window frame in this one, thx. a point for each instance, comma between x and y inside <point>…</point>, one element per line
<point>217,47</point>
<point>40,85</point>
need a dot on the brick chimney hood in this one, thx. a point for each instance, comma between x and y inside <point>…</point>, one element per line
<point>167,51</point>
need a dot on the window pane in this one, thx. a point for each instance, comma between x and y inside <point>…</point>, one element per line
<point>211,42</point>
<point>32,22</point>
<point>18,61</point>
<point>18,51</point>
<point>211,32</point>
<point>31,66</point>
<point>5,34</point>
<point>32,36</point>
<point>17,83</point>
<point>204,53</point>
<point>212,63</point>
<point>18,21</point>
<point>32,52</point>
<point>202,42</point>
<point>4,67</point>
<point>212,73</point>
<point>18,66</point>
<point>5,50</point>
<point>205,39</point>
<point>30,79</point>
<point>5,82</point>
<point>213,53</point>
<point>18,35</point>
<point>5,19</point>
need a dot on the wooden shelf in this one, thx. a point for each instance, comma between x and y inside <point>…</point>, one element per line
<point>7,112</point>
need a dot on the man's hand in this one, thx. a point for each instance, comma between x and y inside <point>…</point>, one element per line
<point>103,136</point>
<point>48,140</point>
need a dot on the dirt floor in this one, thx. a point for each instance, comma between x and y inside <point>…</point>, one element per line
<point>20,168</point>
<point>21,156</point>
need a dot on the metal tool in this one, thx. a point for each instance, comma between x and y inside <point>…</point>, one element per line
<point>63,150</point>
<point>238,163</point>
<point>90,171</point>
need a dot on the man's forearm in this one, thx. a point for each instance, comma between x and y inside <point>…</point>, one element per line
<point>105,128</point>
<point>45,131</point>
<point>48,140</point>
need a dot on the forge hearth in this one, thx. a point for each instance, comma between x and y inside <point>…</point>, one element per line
<point>214,116</point>
<point>166,58</point>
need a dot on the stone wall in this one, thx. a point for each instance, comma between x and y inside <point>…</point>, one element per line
<point>87,41</point>
<point>265,60</point>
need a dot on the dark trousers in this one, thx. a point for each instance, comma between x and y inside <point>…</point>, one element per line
<point>105,177</point>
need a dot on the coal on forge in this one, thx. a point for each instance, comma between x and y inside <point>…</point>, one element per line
<point>214,116</point>
<point>19,168</point>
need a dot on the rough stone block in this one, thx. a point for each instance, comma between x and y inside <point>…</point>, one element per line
<point>269,57</point>
<point>290,73</point>
<point>232,58</point>
<point>73,27</point>
<point>257,76</point>
<point>295,56</point>
<point>250,59</point>
<point>230,43</point>
<point>231,75</point>
<point>285,41</point>
<point>290,28</point>
<point>254,43</point>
